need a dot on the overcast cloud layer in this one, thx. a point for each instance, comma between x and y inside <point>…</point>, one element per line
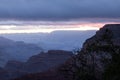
<point>58,9</point>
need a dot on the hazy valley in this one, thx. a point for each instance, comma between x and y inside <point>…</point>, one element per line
<point>57,40</point>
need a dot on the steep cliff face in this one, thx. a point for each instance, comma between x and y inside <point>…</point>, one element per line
<point>99,59</point>
<point>97,54</point>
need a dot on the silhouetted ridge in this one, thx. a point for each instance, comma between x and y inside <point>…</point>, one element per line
<point>98,53</point>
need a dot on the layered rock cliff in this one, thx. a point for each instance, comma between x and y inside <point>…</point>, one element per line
<point>37,63</point>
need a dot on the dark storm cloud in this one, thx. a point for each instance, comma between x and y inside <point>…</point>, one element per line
<point>59,9</point>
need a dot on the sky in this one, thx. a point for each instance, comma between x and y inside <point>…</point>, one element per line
<point>29,14</point>
<point>59,9</point>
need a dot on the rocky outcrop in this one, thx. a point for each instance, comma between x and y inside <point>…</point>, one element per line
<point>99,59</point>
<point>44,61</point>
<point>96,55</point>
<point>38,63</point>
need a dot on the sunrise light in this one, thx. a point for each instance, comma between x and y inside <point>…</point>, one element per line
<point>10,29</point>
